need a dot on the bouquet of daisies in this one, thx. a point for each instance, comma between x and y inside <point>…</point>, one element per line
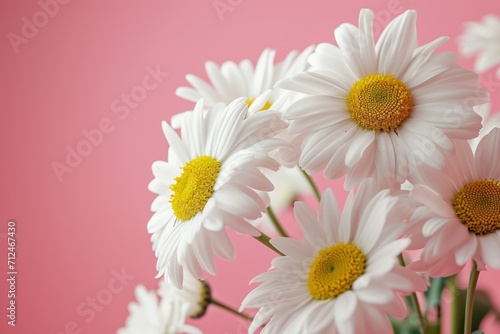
<point>397,120</point>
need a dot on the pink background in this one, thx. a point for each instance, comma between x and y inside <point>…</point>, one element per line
<point>73,232</point>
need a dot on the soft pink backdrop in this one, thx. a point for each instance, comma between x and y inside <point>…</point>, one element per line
<point>73,232</point>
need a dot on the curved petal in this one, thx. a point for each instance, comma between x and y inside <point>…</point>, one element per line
<point>397,43</point>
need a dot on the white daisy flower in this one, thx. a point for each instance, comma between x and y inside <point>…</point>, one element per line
<point>210,181</point>
<point>149,315</point>
<point>288,184</point>
<point>195,293</point>
<point>490,121</point>
<point>344,276</point>
<point>381,109</point>
<point>463,201</point>
<point>231,81</point>
<point>482,39</point>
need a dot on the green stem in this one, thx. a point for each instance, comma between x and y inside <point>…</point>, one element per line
<point>265,240</point>
<point>415,302</point>
<point>469,303</point>
<point>276,222</point>
<point>230,309</point>
<point>313,185</point>
<point>421,318</point>
<point>455,305</point>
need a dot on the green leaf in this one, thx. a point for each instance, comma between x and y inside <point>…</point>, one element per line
<point>433,294</point>
<point>406,326</point>
<point>411,325</point>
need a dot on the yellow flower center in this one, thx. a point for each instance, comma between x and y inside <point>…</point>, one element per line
<point>379,102</point>
<point>266,106</point>
<point>334,270</point>
<point>194,186</point>
<point>477,205</point>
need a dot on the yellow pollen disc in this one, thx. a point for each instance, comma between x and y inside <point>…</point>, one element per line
<point>379,102</point>
<point>194,186</point>
<point>334,270</point>
<point>477,205</point>
<point>266,106</point>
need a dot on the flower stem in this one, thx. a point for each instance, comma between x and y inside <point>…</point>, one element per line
<point>469,303</point>
<point>415,302</point>
<point>312,184</point>
<point>276,222</point>
<point>265,240</point>
<point>455,304</point>
<point>230,309</point>
<point>419,313</point>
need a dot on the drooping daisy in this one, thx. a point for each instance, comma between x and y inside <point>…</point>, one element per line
<point>462,201</point>
<point>482,39</point>
<point>209,182</point>
<point>231,81</point>
<point>381,109</point>
<point>195,293</point>
<point>151,315</point>
<point>344,276</point>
